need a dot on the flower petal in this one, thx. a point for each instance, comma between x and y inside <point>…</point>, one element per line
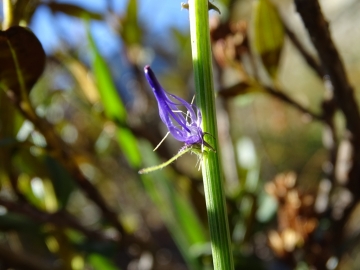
<point>185,127</point>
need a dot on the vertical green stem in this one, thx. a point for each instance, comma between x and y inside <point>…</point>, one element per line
<point>205,99</point>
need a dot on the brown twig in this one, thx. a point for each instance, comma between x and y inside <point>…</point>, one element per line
<point>335,73</point>
<point>318,30</point>
<point>287,99</point>
<point>243,87</point>
<point>304,53</point>
<point>60,218</point>
<point>329,104</point>
<point>317,27</point>
<point>329,107</point>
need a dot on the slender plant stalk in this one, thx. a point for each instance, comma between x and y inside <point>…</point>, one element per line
<point>205,99</point>
<point>163,165</point>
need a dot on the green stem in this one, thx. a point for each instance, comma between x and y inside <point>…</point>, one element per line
<point>205,99</point>
<point>163,165</point>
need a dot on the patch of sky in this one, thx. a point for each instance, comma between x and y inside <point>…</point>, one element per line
<point>157,19</point>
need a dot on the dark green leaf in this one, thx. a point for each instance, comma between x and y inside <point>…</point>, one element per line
<point>213,7</point>
<point>22,60</point>
<point>61,180</point>
<point>11,222</point>
<point>73,10</point>
<point>28,164</point>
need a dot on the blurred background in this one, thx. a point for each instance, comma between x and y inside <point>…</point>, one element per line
<point>71,196</point>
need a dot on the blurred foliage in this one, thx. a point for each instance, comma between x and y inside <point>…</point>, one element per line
<point>74,136</point>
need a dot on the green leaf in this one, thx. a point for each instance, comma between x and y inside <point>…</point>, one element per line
<point>113,106</point>
<point>22,60</point>
<point>73,10</point>
<point>268,35</point>
<point>175,209</point>
<point>128,144</point>
<point>10,122</point>
<point>130,30</point>
<point>189,222</point>
<point>99,262</point>
<point>24,185</point>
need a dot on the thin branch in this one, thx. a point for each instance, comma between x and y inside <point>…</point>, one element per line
<point>329,107</point>
<point>319,33</point>
<point>329,104</point>
<point>343,93</point>
<point>243,88</point>
<point>287,99</point>
<point>59,219</point>
<point>317,27</point>
<point>304,53</point>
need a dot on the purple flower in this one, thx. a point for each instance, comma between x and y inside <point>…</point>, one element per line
<point>185,127</point>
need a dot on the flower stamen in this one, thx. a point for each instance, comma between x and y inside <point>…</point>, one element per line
<point>167,134</point>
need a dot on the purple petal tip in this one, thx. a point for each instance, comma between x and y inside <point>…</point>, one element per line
<point>185,129</point>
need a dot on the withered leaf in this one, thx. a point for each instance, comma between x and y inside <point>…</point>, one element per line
<point>22,59</point>
<point>268,35</point>
<point>238,89</point>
